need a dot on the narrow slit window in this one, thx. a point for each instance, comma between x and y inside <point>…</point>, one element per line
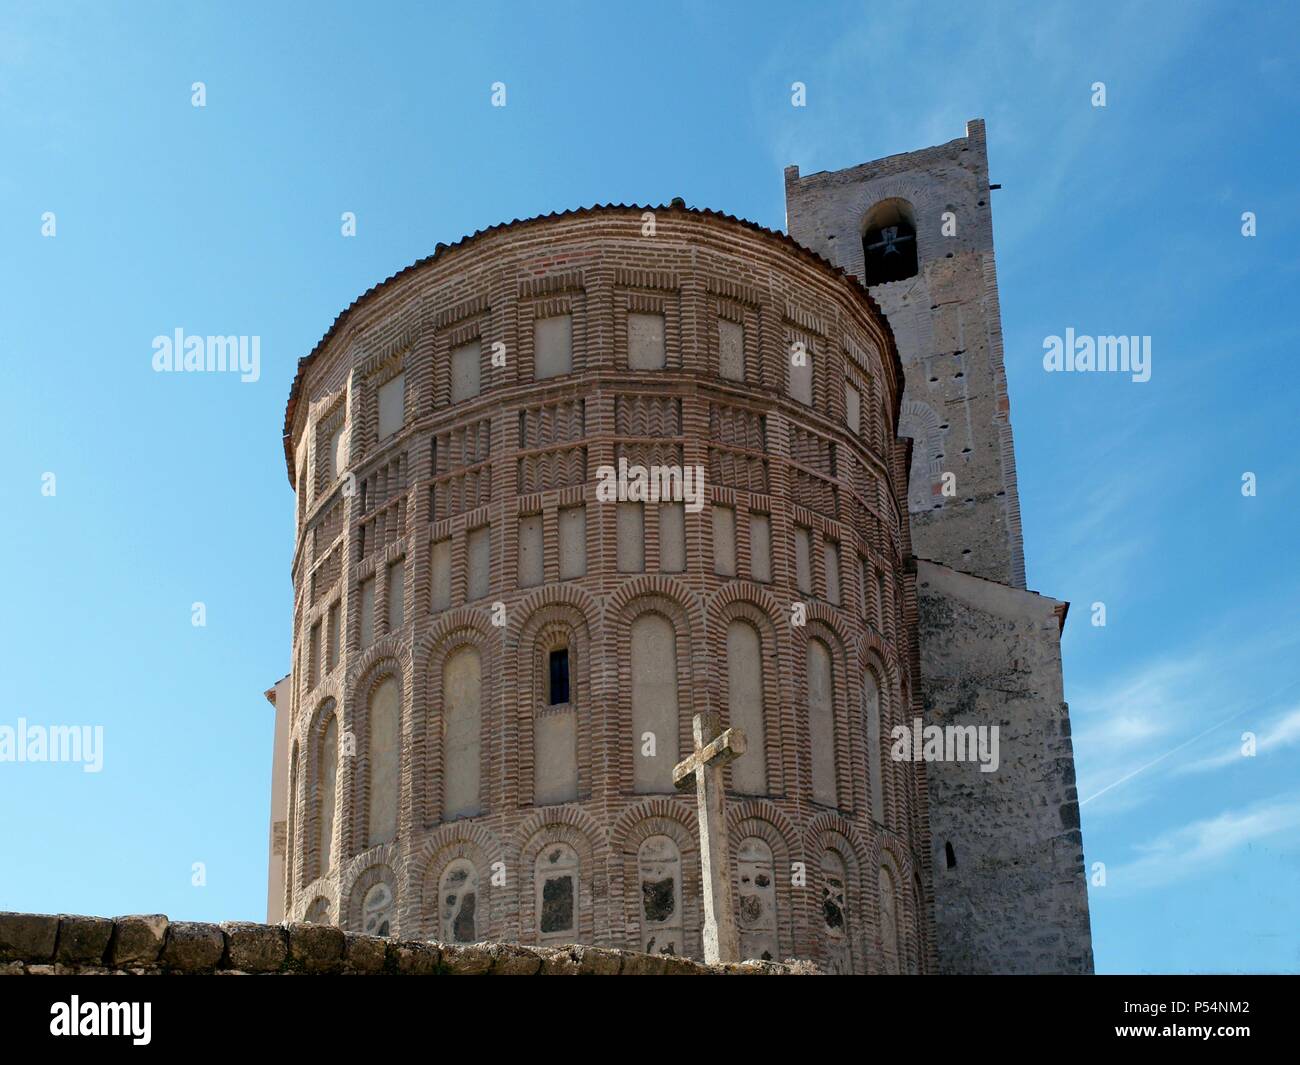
<point>559,689</point>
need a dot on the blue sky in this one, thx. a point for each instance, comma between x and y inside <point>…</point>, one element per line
<point>171,489</point>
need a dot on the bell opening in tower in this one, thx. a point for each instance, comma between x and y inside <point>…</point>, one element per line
<point>889,243</point>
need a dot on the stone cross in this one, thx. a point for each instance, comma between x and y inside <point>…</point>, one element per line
<point>714,748</point>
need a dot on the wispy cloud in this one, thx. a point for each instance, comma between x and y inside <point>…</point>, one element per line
<point>1207,844</point>
<point>1136,709</point>
<point>1143,721</point>
<point>1085,551</point>
<point>980,53</point>
<point>1283,731</point>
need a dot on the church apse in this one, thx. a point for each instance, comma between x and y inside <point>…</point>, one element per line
<point>561,487</point>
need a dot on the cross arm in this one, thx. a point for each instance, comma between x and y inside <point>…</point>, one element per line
<point>721,749</point>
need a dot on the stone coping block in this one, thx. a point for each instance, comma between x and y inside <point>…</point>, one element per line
<point>83,940</point>
<point>255,948</point>
<point>28,936</point>
<point>193,947</point>
<point>137,940</point>
<point>318,948</point>
<point>34,944</point>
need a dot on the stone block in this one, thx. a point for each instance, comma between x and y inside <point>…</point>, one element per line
<point>255,948</point>
<point>137,939</point>
<point>28,936</point>
<point>573,542</point>
<point>636,964</point>
<point>465,371</point>
<point>559,961</point>
<point>598,961</point>
<point>511,960</point>
<point>645,342</point>
<point>364,954</point>
<point>417,959</point>
<point>472,960</point>
<point>193,947</point>
<point>316,948</point>
<point>82,940</point>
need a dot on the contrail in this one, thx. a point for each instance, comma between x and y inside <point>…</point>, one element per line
<point>1175,750</point>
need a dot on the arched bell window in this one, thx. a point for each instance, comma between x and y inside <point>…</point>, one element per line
<point>889,243</point>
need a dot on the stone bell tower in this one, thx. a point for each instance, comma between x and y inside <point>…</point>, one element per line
<point>1010,894</point>
<point>917,229</point>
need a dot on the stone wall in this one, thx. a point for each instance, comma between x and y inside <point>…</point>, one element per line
<point>1010,893</point>
<point>947,324</point>
<point>50,945</point>
<point>1011,896</point>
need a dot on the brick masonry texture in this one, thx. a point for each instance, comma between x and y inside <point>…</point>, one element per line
<point>443,440</point>
<point>528,446</point>
<point>49,945</point>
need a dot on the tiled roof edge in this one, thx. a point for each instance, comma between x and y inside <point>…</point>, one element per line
<point>577,212</point>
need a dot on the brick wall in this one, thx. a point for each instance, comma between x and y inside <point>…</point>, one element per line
<point>521,447</point>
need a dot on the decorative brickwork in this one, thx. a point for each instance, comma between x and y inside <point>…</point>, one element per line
<point>598,342</point>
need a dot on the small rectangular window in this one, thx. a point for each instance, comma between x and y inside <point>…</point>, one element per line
<point>367,635</point>
<point>465,371</point>
<point>573,542</point>
<point>559,689</point>
<point>313,657</point>
<point>332,645</point>
<point>552,346</point>
<point>852,408</point>
<point>396,595</point>
<point>803,559</point>
<point>392,406</point>
<point>645,342</point>
<point>631,538</point>
<point>731,350</point>
<point>440,565</point>
<point>478,548</point>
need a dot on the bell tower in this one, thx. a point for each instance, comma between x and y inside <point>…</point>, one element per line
<point>917,229</point>
<point>1010,894</point>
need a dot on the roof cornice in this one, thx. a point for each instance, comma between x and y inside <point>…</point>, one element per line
<point>442,250</point>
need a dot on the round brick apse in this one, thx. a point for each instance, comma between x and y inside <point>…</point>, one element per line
<point>559,487</point>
